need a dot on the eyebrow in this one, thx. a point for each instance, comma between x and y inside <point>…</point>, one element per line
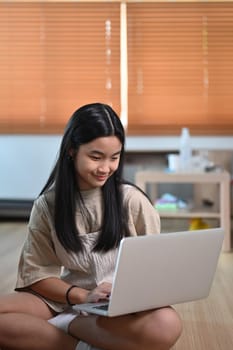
<point>102,153</point>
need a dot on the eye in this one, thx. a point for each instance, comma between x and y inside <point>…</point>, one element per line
<point>115,157</point>
<point>95,158</point>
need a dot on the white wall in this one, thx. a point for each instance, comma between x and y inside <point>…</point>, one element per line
<point>25,163</point>
<point>26,160</point>
<point>171,143</point>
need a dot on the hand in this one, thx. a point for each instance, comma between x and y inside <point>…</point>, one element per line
<point>100,293</point>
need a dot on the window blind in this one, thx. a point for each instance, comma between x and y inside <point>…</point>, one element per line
<point>54,58</point>
<point>180,67</point>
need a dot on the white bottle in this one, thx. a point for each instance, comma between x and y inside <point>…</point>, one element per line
<point>185,150</point>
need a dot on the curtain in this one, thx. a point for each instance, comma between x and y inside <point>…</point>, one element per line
<point>54,58</point>
<point>180,67</point>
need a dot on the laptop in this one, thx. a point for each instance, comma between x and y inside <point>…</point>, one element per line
<point>153,271</point>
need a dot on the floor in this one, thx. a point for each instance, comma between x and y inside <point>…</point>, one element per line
<point>208,323</point>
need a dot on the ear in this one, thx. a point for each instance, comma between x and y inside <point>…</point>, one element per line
<point>71,152</point>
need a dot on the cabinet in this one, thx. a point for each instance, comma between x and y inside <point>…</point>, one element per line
<point>222,179</point>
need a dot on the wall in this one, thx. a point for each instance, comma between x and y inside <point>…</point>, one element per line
<point>26,160</point>
<point>25,163</point>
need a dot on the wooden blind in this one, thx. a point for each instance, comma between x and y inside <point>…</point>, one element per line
<point>180,67</point>
<point>54,58</point>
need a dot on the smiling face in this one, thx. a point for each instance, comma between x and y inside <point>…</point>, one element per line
<point>96,161</point>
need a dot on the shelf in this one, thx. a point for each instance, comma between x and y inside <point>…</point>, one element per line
<point>188,214</point>
<point>221,178</point>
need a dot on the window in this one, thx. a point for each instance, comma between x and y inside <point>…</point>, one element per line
<point>54,58</point>
<point>180,67</point>
<point>57,56</point>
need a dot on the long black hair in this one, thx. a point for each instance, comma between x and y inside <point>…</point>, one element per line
<point>86,124</point>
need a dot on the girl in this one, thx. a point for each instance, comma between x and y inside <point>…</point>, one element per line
<point>74,231</point>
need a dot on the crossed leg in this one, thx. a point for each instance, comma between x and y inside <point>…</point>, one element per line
<point>151,330</point>
<point>24,325</point>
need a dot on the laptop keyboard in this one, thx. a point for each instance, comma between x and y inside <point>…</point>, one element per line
<point>101,307</point>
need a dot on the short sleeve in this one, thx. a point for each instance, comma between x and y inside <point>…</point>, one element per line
<point>38,258</point>
<point>142,215</point>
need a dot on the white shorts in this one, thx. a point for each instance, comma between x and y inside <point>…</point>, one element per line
<point>63,320</point>
<point>84,346</point>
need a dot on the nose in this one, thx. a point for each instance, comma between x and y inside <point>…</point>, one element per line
<point>104,167</point>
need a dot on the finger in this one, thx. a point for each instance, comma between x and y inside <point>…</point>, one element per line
<point>105,288</point>
<point>105,285</point>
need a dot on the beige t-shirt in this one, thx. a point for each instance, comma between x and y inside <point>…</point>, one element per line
<point>43,255</point>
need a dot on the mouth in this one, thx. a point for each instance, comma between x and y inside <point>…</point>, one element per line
<point>101,177</point>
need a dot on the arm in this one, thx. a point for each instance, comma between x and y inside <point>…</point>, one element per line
<point>40,266</point>
<point>143,217</point>
<point>55,289</point>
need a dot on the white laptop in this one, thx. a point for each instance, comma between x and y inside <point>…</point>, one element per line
<point>159,270</point>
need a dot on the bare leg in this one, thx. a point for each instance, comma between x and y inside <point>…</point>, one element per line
<point>22,302</point>
<point>23,325</point>
<point>151,330</point>
<point>26,332</point>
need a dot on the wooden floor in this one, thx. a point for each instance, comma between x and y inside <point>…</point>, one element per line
<point>12,236</point>
<point>208,323</point>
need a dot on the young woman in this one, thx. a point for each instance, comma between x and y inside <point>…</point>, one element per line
<point>74,231</point>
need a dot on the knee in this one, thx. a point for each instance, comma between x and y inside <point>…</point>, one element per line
<point>163,329</point>
<point>170,327</point>
<point>4,329</point>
